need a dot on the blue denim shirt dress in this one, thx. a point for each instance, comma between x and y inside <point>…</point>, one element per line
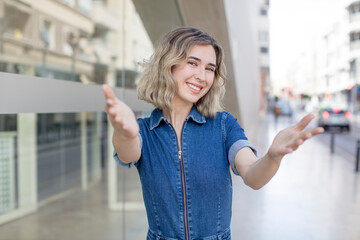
<point>188,192</point>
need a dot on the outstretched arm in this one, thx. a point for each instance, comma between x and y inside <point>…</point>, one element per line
<point>125,139</point>
<point>257,172</point>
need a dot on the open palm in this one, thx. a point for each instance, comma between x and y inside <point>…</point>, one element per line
<point>289,139</point>
<point>120,115</point>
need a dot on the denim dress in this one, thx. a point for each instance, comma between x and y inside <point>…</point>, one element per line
<point>188,192</point>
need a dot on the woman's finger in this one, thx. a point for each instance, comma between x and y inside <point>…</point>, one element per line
<point>109,94</point>
<point>316,131</point>
<point>304,122</point>
<point>109,102</point>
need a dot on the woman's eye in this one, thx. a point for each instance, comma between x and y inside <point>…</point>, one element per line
<point>192,63</point>
<point>210,69</point>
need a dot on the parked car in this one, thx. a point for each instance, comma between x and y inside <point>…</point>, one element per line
<point>334,119</point>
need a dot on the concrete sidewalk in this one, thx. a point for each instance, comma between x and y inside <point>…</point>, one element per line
<point>315,195</point>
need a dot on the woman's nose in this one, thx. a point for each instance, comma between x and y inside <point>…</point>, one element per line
<point>200,74</point>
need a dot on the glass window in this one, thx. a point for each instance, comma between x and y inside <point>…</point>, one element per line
<point>264,49</point>
<point>7,122</point>
<point>354,8</point>
<point>58,153</point>
<point>8,162</point>
<point>265,69</point>
<point>48,34</point>
<point>129,79</point>
<point>353,68</point>
<point>354,36</point>
<point>263,12</point>
<point>47,155</point>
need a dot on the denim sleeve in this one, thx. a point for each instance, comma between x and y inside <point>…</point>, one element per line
<point>126,165</point>
<point>235,139</point>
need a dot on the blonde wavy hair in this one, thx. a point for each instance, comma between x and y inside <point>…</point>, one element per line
<point>157,85</point>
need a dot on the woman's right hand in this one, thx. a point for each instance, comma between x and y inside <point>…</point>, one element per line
<point>122,118</point>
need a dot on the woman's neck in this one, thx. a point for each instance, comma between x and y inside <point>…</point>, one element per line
<point>178,114</point>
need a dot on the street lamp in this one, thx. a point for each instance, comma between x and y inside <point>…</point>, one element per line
<point>113,81</point>
<point>73,41</point>
<point>45,39</point>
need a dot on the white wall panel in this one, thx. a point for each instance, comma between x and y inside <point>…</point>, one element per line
<point>25,94</point>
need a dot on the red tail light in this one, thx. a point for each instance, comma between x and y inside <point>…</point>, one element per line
<point>336,110</point>
<point>348,114</point>
<point>326,114</point>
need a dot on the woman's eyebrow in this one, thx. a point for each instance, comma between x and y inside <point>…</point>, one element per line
<point>198,59</point>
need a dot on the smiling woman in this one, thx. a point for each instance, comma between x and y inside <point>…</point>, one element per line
<point>194,76</point>
<point>158,77</point>
<point>184,151</point>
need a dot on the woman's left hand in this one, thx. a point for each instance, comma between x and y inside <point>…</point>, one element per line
<point>289,139</point>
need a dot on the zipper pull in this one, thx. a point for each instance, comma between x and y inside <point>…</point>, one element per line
<point>179,155</point>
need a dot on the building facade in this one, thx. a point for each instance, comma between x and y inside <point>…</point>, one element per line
<point>353,88</point>
<point>327,70</point>
<point>264,51</point>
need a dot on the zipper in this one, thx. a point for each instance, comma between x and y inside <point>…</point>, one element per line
<point>186,224</point>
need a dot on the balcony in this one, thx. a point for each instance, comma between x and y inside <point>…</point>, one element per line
<point>15,25</point>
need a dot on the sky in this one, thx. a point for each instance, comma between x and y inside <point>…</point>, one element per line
<point>294,24</point>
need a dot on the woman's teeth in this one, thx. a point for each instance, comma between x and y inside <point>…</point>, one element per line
<point>194,87</point>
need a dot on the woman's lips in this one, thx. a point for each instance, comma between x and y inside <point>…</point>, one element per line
<point>194,88</point>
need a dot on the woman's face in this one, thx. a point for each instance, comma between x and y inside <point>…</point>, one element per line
<point>195,75</point>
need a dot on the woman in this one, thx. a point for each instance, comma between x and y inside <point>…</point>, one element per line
<point>184,149</point>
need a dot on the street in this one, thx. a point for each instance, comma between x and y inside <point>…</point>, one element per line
<point>345,143</point>
<point>314,195</point>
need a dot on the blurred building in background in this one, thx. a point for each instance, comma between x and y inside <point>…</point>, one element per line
<point>46,155</point>
<point>328,69</point>
<point>264,50</point>
<point>333,64</point>
<point>353,89</point>
<point>81,41</point>
<point>72,40</point>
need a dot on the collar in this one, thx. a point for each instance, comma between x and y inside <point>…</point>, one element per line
<point>157,116</point>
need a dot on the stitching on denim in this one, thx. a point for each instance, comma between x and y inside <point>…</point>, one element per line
<point>154,236</point>
<point>223,130</point>
<point>186,172</point>
<point>156,214</point>
<point>237,146</point>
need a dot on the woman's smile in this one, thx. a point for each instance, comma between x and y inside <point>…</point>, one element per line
<point>194,87</point>
<point>195,75</point>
